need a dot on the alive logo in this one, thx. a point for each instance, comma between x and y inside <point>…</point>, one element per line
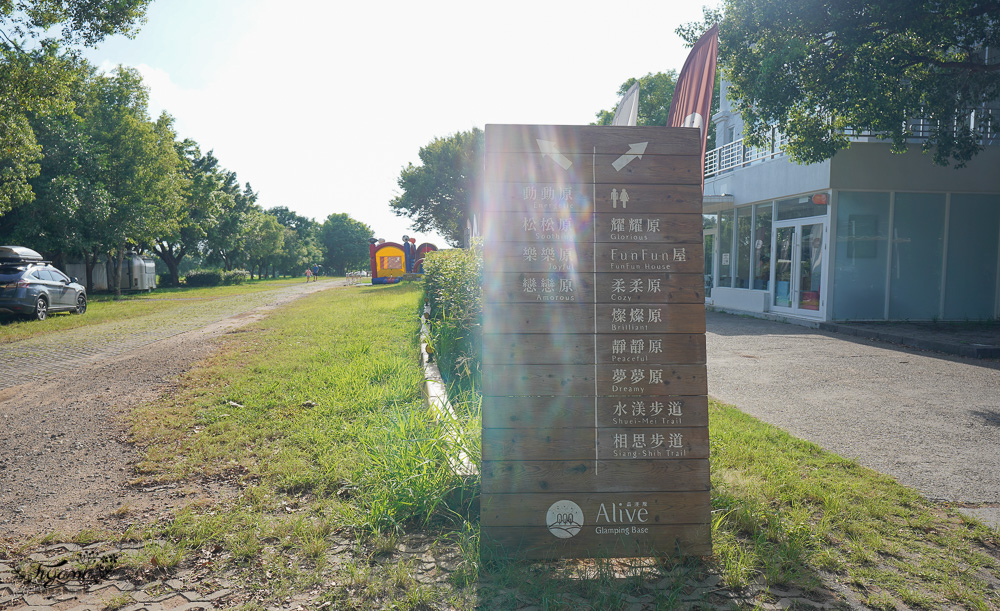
<point>622,519</point>
<point>622,513</point>
<point>564,518</point>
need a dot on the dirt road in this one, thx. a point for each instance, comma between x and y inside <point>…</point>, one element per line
<point>65,462</point>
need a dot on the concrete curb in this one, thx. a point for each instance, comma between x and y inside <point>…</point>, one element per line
<point>436,396</point>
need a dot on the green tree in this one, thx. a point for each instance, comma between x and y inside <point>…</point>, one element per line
<point>691,32</point>
<point>34,83</point>
<point>203,202</point>
<point>656,91</point>
<point>291,219</point>
<point>301,244</point>
<point>264,239</point>
<point>225,241</point>
<point>439,194</point>
<point>816,68</point>
<point>67,22</point>
<point>69,205</point>
<point>35,77</point>
<point>345,243</point>
<point>138,166</point>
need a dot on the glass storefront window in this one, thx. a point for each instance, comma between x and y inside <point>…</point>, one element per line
<point>709,262</point>
<point>709,224</point>
<point>785,238</point>
<point>811,267</point>
<point>970,286</point>
<point>862,248</point>
<point>744,245</point>
<point>726,248</point>
<point>917,253</point>
<point>762,247</point>
<point>815,204</point>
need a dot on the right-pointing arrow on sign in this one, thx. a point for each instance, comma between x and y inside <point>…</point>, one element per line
<point>634,151</point>
<point>549,148</point>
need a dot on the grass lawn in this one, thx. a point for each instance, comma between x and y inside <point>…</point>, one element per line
<point>315,417</point>
<point>102,308</point>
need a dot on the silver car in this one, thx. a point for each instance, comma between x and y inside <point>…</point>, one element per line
<point>31,287</point>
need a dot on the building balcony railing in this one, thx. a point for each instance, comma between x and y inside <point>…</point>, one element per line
<point>982,121</point>
<point>735,154</point>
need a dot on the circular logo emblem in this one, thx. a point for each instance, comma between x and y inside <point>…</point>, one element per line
<point>564,519</point>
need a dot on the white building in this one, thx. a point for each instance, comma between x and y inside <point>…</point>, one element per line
<point>867,235</point>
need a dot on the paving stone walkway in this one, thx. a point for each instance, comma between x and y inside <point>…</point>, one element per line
<point>44,582</point>
<point>193,585</point>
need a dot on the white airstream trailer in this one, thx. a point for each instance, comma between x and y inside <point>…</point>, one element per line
<point>138,274</point>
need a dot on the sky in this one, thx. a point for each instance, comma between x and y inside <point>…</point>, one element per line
<point>320,104</point>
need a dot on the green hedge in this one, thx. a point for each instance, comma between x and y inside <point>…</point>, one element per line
<point>215,277</point>
<point>235,276</point>
<point>203,277</point>
<point>453,288</point>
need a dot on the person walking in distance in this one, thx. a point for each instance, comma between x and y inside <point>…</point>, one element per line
<point>309,274</point>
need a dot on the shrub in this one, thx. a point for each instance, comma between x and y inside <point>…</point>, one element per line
<point>203,277</point>
<point>235,276</point>
<point>453,288</point>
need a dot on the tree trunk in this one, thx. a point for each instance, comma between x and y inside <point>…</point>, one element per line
<point>173,267</point>
<point>116,259</point>
<point>172,261</point>
<point>90,262</point>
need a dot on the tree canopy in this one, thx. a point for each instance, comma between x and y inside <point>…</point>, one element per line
<point>439,194</point>
<point>815,69</point>
<point>85,173</point>
<point>109,181</point>
<point>656,91</point>
<point>301,246</point>
<point>345,242</point>
<point>84,22</point>
<point>36,74</point>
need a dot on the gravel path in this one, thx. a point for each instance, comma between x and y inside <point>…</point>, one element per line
<point>64,458</point>
<point>40,358</point>
<point>929,420</point>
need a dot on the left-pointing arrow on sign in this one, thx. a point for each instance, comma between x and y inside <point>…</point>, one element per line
<point>634,151</point>
<point>549,148</point>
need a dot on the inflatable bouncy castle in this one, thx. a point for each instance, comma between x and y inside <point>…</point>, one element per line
<point>388,261</point>
<point>391,261</point>
<point>421,252</point>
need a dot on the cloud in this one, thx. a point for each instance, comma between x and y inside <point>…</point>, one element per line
<point>166,95</point>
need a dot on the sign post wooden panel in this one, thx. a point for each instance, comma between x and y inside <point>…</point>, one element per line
<point>595,410</point>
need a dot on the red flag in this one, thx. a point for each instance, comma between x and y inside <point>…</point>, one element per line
<point>692,100</point>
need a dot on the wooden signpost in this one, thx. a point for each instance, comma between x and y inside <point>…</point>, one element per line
<point>595,411</point>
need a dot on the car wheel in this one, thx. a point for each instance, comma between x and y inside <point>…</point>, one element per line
<point>41,309</point>
<point>81,304</point>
